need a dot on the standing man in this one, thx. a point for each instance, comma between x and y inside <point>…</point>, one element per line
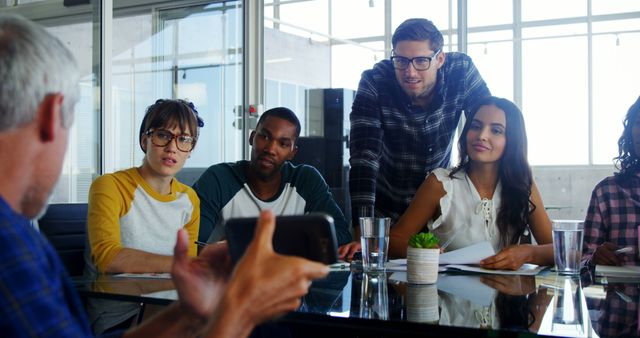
<point>268,181</point>
<point>37,298</point>
<point>403,120</point>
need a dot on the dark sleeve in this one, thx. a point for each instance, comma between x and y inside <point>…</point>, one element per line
<point>475,86</point>
<point>318,198</point>
<point>595,232</point>
<point>208,189</point>
<point>36,297</point>
<point>365,144</point>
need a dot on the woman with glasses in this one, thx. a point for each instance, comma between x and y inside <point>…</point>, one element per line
<point>134,214</point>
<point>490,196</point>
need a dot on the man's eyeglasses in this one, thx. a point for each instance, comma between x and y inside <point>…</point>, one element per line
<point>162,137</point>
<point>419,63</point>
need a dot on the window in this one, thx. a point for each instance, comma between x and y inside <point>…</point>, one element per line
<point>158,51</point>
<point>81,161</point>
<point>162,54</point>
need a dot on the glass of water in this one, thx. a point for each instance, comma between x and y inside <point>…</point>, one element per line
<point>374,241</point>
<point>567,246</point>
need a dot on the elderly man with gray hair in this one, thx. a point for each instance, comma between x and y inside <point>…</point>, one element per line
<point>38,91</point>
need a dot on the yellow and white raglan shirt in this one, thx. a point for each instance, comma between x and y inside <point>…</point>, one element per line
<point>125,212</point>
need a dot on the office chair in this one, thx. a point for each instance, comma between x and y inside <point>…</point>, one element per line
<point>65,225</point>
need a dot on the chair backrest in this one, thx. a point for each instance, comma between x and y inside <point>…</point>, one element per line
<point>65,225</point>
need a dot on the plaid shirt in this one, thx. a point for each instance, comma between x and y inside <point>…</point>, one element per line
<point>613,216</point>
<point>394,144</point>
<point>615,317</point>
<point>37,298</point>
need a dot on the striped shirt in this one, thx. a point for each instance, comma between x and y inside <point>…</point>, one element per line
<point>613,216</point>
<point>394,145</point>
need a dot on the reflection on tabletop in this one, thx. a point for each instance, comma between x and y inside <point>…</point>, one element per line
<point>616,315</point>
<point>546,304</point>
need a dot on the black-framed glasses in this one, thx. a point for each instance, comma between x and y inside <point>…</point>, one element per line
<point>419,62</point>
<point>162,137</point>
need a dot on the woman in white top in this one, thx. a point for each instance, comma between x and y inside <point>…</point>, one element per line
<point>489,196</point>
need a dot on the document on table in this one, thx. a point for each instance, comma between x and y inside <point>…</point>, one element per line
<point>618,271</point>
<point>471,254</point>
<point>468,259</point>
<point>151,275</point>
<point>525,270</point>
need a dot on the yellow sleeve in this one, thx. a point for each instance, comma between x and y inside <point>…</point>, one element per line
<point>106,206</point>
<point>193,227</point>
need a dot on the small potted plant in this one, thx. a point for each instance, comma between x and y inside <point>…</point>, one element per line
<point>423,255</point>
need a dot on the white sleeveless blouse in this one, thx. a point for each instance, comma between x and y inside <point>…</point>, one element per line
<point>463,214</point>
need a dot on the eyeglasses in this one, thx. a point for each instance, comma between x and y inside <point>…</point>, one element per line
<point>161,138</point>
<point>419,63</point>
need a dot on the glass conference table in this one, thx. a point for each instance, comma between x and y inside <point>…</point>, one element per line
<point>350,302</point>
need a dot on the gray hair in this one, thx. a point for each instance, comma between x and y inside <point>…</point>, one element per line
<point>33,64</point>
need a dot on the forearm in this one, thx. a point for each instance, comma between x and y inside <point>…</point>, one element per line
<point>229,321</point>
<point>398,245</point>
<point>138,261</point>
<point>175,321</point>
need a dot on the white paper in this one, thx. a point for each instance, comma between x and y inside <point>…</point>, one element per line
<point>151,275</point>
<point>618,271</point>
<point>526,269</point>
<point>400,266</point>
<point>471,254</point>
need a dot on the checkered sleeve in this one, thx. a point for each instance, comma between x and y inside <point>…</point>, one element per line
<point>36,299</point>
<point>365,145</point>
<point>594,226</point>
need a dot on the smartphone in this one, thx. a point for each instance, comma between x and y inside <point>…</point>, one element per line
<point>311,236</point>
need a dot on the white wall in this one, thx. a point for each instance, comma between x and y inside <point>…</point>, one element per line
<point>566,190</point>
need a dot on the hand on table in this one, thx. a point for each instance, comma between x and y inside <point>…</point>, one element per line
<point>605,255</point>
<point>511,285</point>
<point>347,251</point>
<point>510,258</point>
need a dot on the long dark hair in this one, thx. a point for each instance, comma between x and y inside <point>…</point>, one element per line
<point>628,161</point>
<point>514,172</point>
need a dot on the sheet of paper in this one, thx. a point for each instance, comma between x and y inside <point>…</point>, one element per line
<point>525,269</point>
<point>397,265</point>
<point>618,271</point>
<point>471,254</point>
<point>152,275</point>
<point>166,294</point>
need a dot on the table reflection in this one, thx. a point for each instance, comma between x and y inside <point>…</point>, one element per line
<point>617,314</point>
<point>567,315</point>
<point>374,297</point>
<point>546,304</point>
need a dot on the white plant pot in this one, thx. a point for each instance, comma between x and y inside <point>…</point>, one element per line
<point>422,303</point>
<point>422,265</point>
